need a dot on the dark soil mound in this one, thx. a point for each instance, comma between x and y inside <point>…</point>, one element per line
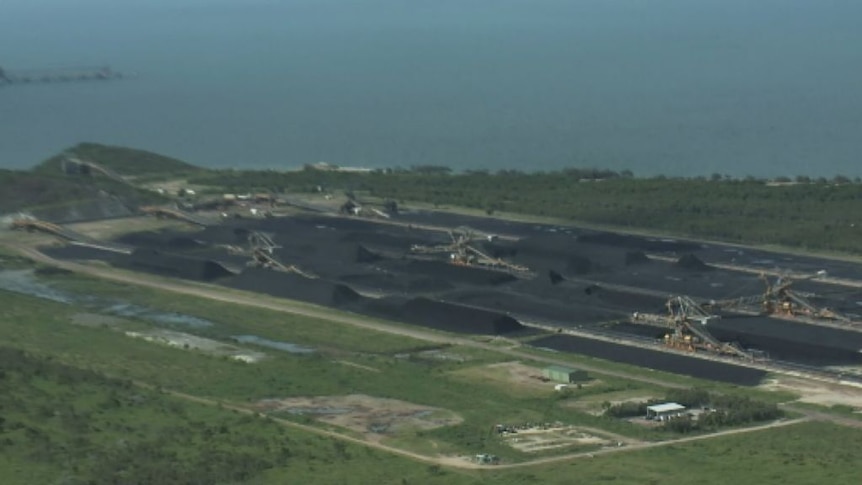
<point>690,262</point>
<point>654,359</point>
<point>457,318</point>
<point>173,265</point>
<point>294,287</point>
<point>636,257</point>
<point>459,274</point>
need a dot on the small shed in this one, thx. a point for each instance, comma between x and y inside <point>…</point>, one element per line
<point>665,411</point>
<point>567,375</point>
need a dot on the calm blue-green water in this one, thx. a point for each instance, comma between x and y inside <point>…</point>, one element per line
<point>687,87</point>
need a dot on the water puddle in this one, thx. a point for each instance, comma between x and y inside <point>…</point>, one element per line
<point>23,282</point>
<point>273,344</point>
<point>26,283</point>
<point>123,309</point>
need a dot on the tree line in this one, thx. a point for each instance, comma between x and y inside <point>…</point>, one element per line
<point>811,214</point>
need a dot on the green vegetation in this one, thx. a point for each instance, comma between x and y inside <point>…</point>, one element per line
<point>128,162</point>
<point>724,410</point>
<point>809,214</point>
<point>169,440</point>
<point>808,453</point>
<point>65,425</point>
<point>55,191</point>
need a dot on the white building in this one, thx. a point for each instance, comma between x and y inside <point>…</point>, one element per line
<point>665,411</point>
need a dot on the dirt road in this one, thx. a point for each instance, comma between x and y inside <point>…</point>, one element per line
<point>455,462</point>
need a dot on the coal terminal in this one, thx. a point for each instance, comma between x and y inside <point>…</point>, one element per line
<point>589,280</point>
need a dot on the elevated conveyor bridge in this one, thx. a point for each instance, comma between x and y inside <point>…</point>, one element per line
<point>71,237</point>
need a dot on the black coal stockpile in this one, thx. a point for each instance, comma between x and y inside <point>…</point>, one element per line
<point>399,242</point>
<point>174,265</point>
<point>793,341</point>
<point>578,265</point>
<point>558,288</point>
<point>528,306</point>
<point>500,249</point>
<point>398,283</point>
<point>347,252</point>
<point>636,257</point>
<point>294,287</point>
<point>690,262</point>
<point>457,318</point>
<point>224,234</point>
<point>81,253</point>
<point>637,242</point>
<point>326,253</point>
<point>459,274</point>
<point>164,241</point>
<point>654,359</point>
<point>550,245</point>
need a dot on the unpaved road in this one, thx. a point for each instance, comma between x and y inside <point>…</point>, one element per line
<point>455,462</point>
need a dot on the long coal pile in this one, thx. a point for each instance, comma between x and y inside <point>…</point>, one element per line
<point>597,296</point>
<point>793,341</point>
<point>295,287</point>
<point>459,275</point>
<point>457,318</point>
<point>527,306</point>
<point>81,253</point>
<point>392,242</point>
<point>165,241</point>
<point>638,242</point>
<point>394,283</point>
<point>654,359</point>
<point>173,265</point>
<point>691,262</point>
<point>636,257</point>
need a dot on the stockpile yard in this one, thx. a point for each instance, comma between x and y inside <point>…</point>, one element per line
<point>492,277</point>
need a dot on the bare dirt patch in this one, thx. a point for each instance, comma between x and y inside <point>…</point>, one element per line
<point>544,438</point>
<point>374,417</point>
<point>513,376</point>
<point>817,392</point>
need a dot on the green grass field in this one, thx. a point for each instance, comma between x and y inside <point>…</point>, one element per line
<point>400,368</point>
